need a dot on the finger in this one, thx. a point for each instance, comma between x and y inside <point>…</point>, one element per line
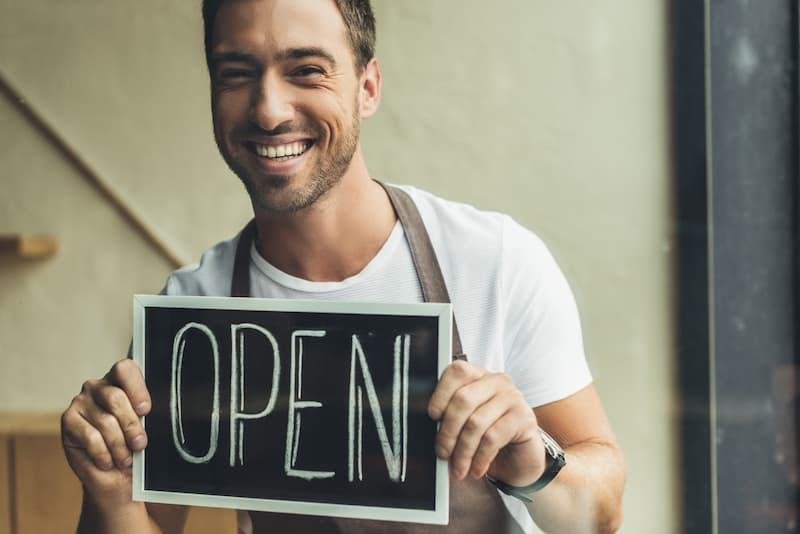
<point>108,426</point>
<point>502,433</point>
<point>82,442</point>
<point>100,483</point>
<point>83,464</point>
<point>475,432</point>
<point>127,375</point>
<point>115,418</point>
<point>463,404</point>
<point>455,376</point>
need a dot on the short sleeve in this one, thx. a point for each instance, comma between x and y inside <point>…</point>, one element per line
<point>543,344</point>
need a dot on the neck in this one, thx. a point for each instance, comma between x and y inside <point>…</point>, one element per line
<point>337,236</point>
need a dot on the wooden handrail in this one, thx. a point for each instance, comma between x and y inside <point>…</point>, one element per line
<point>101,184</point>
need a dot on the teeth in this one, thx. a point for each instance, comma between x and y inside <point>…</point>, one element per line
<point>281,151</point>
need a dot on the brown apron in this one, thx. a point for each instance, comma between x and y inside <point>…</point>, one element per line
<point>475,505</point>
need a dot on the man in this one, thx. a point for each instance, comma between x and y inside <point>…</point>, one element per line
<point>291,80</point>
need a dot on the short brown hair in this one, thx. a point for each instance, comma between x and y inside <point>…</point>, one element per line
<point>359,21</point>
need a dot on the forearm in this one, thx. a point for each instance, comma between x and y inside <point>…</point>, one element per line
<point>130,517</point>
<point>586,496</point>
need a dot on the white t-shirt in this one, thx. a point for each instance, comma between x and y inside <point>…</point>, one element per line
<point>514,309</point>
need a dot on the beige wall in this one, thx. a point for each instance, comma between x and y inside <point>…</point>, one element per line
<point>555,112</point>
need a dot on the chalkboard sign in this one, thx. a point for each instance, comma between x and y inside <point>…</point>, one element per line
<point>304,407</point>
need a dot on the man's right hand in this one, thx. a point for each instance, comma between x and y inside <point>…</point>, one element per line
<point>100,431</point>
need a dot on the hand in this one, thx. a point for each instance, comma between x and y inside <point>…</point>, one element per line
<point>100,430</point>
<point>486,426</point>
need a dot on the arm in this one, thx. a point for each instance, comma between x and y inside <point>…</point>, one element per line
<point>99,432</point>
<point>587,493</point>
<point>487,427</point>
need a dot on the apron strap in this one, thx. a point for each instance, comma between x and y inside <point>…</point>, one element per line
<point>240,283</point>
<point>429,273</point>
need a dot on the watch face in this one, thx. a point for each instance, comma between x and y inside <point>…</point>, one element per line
<point>550,445</point>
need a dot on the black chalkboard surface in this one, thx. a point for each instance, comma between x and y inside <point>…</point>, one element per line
<point>302,407</point>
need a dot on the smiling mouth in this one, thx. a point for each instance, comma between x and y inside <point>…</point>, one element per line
<point>280,152</point>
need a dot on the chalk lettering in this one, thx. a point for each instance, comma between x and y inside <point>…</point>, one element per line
<point>394,454</point>
<point>296,404</point>
<point>238,417</point>
<point>175,405</point>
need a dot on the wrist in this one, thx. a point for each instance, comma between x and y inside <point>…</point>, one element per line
<point>101,514</point>
<point>554,461</point>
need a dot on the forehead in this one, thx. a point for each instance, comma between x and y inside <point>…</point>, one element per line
<point>267,26</point>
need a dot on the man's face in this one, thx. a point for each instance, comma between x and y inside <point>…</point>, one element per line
<point>284,98</point>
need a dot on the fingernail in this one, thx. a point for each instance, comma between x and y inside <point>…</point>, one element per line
<point>139,442</point>
<point>127,462</point>
<point>106,466</point>
<point>143,407</point>
<point>441,452</point>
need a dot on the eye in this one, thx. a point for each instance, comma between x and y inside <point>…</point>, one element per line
<point>236,74</point>
<point>308,71</point>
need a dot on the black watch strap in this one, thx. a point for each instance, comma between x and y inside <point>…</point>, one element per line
<point>555,461</point>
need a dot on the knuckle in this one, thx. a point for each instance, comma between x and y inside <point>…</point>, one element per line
<point>123,368</point>
<point>68,419</point>
<point>67,428</point>
<point>115,398</point>
<point>522,410</point>
<point>95,444</point>
<point>106,423</point>
<point>76,400</point>
<point>504,379</point>
<point>492,439</point>
<point>474,422</point>
<point>89,385</point>
<point>460,368</point>
<point>446,438</point>
<point>118,369</point>
<point>503,383</point>
<point>514,398</point>
<point>461,398</point>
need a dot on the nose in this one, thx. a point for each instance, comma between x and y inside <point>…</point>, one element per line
<point>271,104</point>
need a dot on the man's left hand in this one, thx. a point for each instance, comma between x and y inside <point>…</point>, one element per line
<point>486,427</point>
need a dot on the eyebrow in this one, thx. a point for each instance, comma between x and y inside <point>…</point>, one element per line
<point>289,53</point>
<point>305,52</point>
<point>242,57</point>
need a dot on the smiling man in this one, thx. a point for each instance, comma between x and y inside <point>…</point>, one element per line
<point>291,81</point>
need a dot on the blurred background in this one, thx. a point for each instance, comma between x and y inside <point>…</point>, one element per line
<point>558,113</point>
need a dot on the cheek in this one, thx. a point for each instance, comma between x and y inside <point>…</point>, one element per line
<point>227,111</point>
<point>338,120</point>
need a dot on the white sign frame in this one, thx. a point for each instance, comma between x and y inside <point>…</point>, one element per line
<point>439,515</point>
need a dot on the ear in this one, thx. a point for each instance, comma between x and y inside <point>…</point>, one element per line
<point>369,93</point>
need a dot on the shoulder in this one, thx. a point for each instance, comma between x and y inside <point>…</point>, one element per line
<point>456,215</point>
<point>211,276</point>
<point>446,220</point>
<point>459,229</point>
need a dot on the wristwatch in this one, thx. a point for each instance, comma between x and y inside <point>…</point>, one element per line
<point>554,461</point>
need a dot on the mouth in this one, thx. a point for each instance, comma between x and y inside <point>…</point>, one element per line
<point>281,152</point>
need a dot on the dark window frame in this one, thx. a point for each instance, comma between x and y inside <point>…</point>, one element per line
<point>716,173</point>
